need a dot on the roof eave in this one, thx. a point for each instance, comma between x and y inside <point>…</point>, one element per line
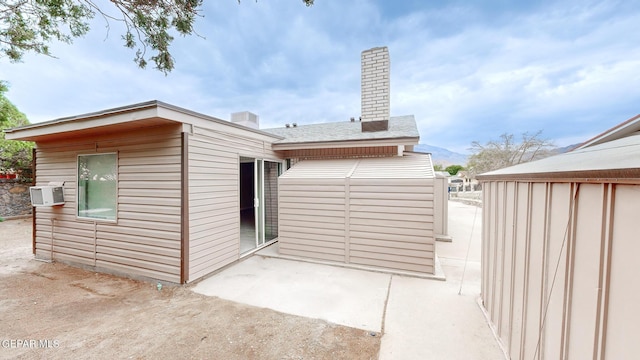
<point>621,176</point>
<point>393,141</point>
<point>141,111</point>
<point>629,126</point>
<point>83,122</point>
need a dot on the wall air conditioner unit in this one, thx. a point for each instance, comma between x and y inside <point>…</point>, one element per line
<point>46,195</point>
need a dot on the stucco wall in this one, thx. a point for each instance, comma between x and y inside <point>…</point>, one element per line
<point>14,198</point>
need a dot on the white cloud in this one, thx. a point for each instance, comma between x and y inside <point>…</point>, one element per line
<point>466,72</point>
<point>525,74</point>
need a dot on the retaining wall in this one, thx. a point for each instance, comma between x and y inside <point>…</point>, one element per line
<point>14,198</point>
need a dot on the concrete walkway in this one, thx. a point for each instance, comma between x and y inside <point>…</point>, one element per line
<point>419,318</point>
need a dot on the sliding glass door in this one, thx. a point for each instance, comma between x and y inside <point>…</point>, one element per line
<point>264,191</point>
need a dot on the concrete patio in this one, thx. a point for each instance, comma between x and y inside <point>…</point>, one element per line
<point>419,318</point>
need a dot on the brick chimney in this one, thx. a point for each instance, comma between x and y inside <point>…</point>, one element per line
<point>375,89</point>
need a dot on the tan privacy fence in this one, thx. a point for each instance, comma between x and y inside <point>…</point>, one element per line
<point>376,212</point>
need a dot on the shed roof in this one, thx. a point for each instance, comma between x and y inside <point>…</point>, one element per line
<point>612,161</point>
<point>396,167</point>
<point>400,127</point>
<point>626,128</point>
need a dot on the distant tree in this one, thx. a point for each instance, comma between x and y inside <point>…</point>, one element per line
<point>438,167</point>
<point>14,155</point>
<point>30,25</point>
<point>453,169</point>
<point>498,154</point>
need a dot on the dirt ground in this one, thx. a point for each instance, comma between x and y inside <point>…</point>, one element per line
<point>55,311</point>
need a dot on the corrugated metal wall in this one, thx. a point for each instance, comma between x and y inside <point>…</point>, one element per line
<point>559,268</point>
<point>376,212</point>
<point>214,205</point>
<point>146,240</point>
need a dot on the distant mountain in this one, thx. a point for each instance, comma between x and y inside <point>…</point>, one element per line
<point>442,156</point>
<point>447,157</point>
<point>564,149</point>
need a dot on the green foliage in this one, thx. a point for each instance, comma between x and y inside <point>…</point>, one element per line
<point>453,169</point>
<point>498,154</point>
<point>10,116</point>
<point>14,155</point>
<point>31,25</point>
<point>438,167</point>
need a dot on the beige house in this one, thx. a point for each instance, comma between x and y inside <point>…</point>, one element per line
<point>560,239</point>
<point>156,191</point>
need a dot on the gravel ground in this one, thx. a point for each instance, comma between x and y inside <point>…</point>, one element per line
<point>54,311</point>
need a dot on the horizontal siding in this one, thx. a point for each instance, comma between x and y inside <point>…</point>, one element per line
<point>392,235</point>
<point>142,209</point>
<point>387,193</point>
<point>145,240</point>
<point>123,265</point>
<point>243,145</point>
<point>307,228</point>
<point>403,242</point>
<point>219,258</point>
<point>395,252</point>
<point>81,258</point>
<point>314,255</point>
<point>396,265</point>
<point>322,194</point>
<point>202,246</point>
<point>214,198</point>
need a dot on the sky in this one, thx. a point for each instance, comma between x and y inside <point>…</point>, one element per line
<point>467,70</point>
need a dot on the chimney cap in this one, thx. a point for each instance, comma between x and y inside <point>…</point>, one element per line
<point>295,124</point>
<point>287,125</point>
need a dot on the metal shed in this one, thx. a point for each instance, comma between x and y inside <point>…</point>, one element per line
<point>369,211</point>
<point>560,248</point>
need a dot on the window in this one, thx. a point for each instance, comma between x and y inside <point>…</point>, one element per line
<point>97,186</point>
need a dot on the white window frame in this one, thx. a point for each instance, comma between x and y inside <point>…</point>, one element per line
<point>77,210</point>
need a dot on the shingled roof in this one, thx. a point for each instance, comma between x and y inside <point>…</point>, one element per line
<point>400,127</point>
